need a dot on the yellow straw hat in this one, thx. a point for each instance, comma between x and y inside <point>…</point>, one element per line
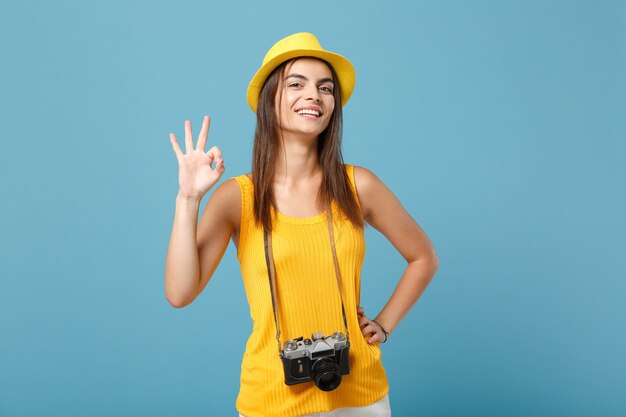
<point>301,45</point>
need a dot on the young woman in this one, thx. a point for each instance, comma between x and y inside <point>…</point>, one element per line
<point>297,221</point>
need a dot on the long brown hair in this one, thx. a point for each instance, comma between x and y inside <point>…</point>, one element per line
<point>335,182</point>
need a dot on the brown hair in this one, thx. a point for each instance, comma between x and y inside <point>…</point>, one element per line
<point>335,182</point>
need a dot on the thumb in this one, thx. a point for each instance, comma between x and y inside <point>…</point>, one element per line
<point>219,165</point>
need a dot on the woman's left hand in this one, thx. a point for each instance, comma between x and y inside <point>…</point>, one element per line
<point>370,328</point>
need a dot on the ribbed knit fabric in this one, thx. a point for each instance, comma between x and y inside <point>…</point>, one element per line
<point>308,301</point>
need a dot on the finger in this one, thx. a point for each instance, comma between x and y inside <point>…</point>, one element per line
<point>177,150</point>
<point>214,154</point>
<point>374,339</point>
<point>363,321</point>
<point>220,166</point>
<point>188,137</point>
<point>203,133</point>
<point>219,169</point>
<point>370,328</point>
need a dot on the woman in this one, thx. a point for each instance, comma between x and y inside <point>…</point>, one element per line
<point>297,221</point>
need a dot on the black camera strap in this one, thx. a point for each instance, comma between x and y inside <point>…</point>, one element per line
<point>269,260</point>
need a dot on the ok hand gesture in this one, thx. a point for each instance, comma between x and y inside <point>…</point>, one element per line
<point>195,175</point>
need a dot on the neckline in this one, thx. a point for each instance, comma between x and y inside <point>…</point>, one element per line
<point>300,220</point>
<point>295,220</point>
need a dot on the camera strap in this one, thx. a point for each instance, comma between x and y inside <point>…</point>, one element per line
<point>269,260</point>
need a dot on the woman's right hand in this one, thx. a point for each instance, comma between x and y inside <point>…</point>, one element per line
<point>195,175</point>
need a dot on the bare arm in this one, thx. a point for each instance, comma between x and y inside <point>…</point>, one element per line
<point>182,267</point>
<point>384,212</point>
<point>195,251</point>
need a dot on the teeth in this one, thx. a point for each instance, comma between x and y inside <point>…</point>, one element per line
<point>311,112</point>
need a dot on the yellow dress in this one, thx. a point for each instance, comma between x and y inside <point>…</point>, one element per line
<point>308,301</point>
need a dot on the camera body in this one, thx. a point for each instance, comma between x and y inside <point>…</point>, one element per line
<point>321,359</point>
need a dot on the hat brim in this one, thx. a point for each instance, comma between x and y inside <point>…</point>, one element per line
<point>343,68</point>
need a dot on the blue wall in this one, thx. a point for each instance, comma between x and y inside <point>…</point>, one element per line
<point>499,125</point>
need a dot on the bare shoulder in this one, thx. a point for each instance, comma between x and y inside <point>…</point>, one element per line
<point>364,177</point>
<point>225,202</point>
<point>368,187</point>
<point>228,189</point>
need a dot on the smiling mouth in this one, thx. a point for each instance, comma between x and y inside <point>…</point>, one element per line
<point>308,112</point>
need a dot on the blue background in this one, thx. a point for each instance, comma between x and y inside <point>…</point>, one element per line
<point>500,125</point>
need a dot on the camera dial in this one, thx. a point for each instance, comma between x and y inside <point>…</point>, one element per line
<point>290,346</point>
<point>338,336</point>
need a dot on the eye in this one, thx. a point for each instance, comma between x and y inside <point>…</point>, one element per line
<point>327,89</point>
<point>295,84</point>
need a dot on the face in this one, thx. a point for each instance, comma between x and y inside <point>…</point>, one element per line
<point>304,100</point>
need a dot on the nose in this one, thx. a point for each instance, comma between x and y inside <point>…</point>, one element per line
<point>312,93</point>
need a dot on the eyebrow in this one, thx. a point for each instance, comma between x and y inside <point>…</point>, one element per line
<point>302,77</point>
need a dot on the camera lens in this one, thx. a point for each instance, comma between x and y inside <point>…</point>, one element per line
<point>326,374</point>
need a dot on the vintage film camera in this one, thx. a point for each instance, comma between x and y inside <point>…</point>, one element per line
<point>320,359</point>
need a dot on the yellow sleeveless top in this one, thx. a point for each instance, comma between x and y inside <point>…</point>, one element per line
<point>308,301</point>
